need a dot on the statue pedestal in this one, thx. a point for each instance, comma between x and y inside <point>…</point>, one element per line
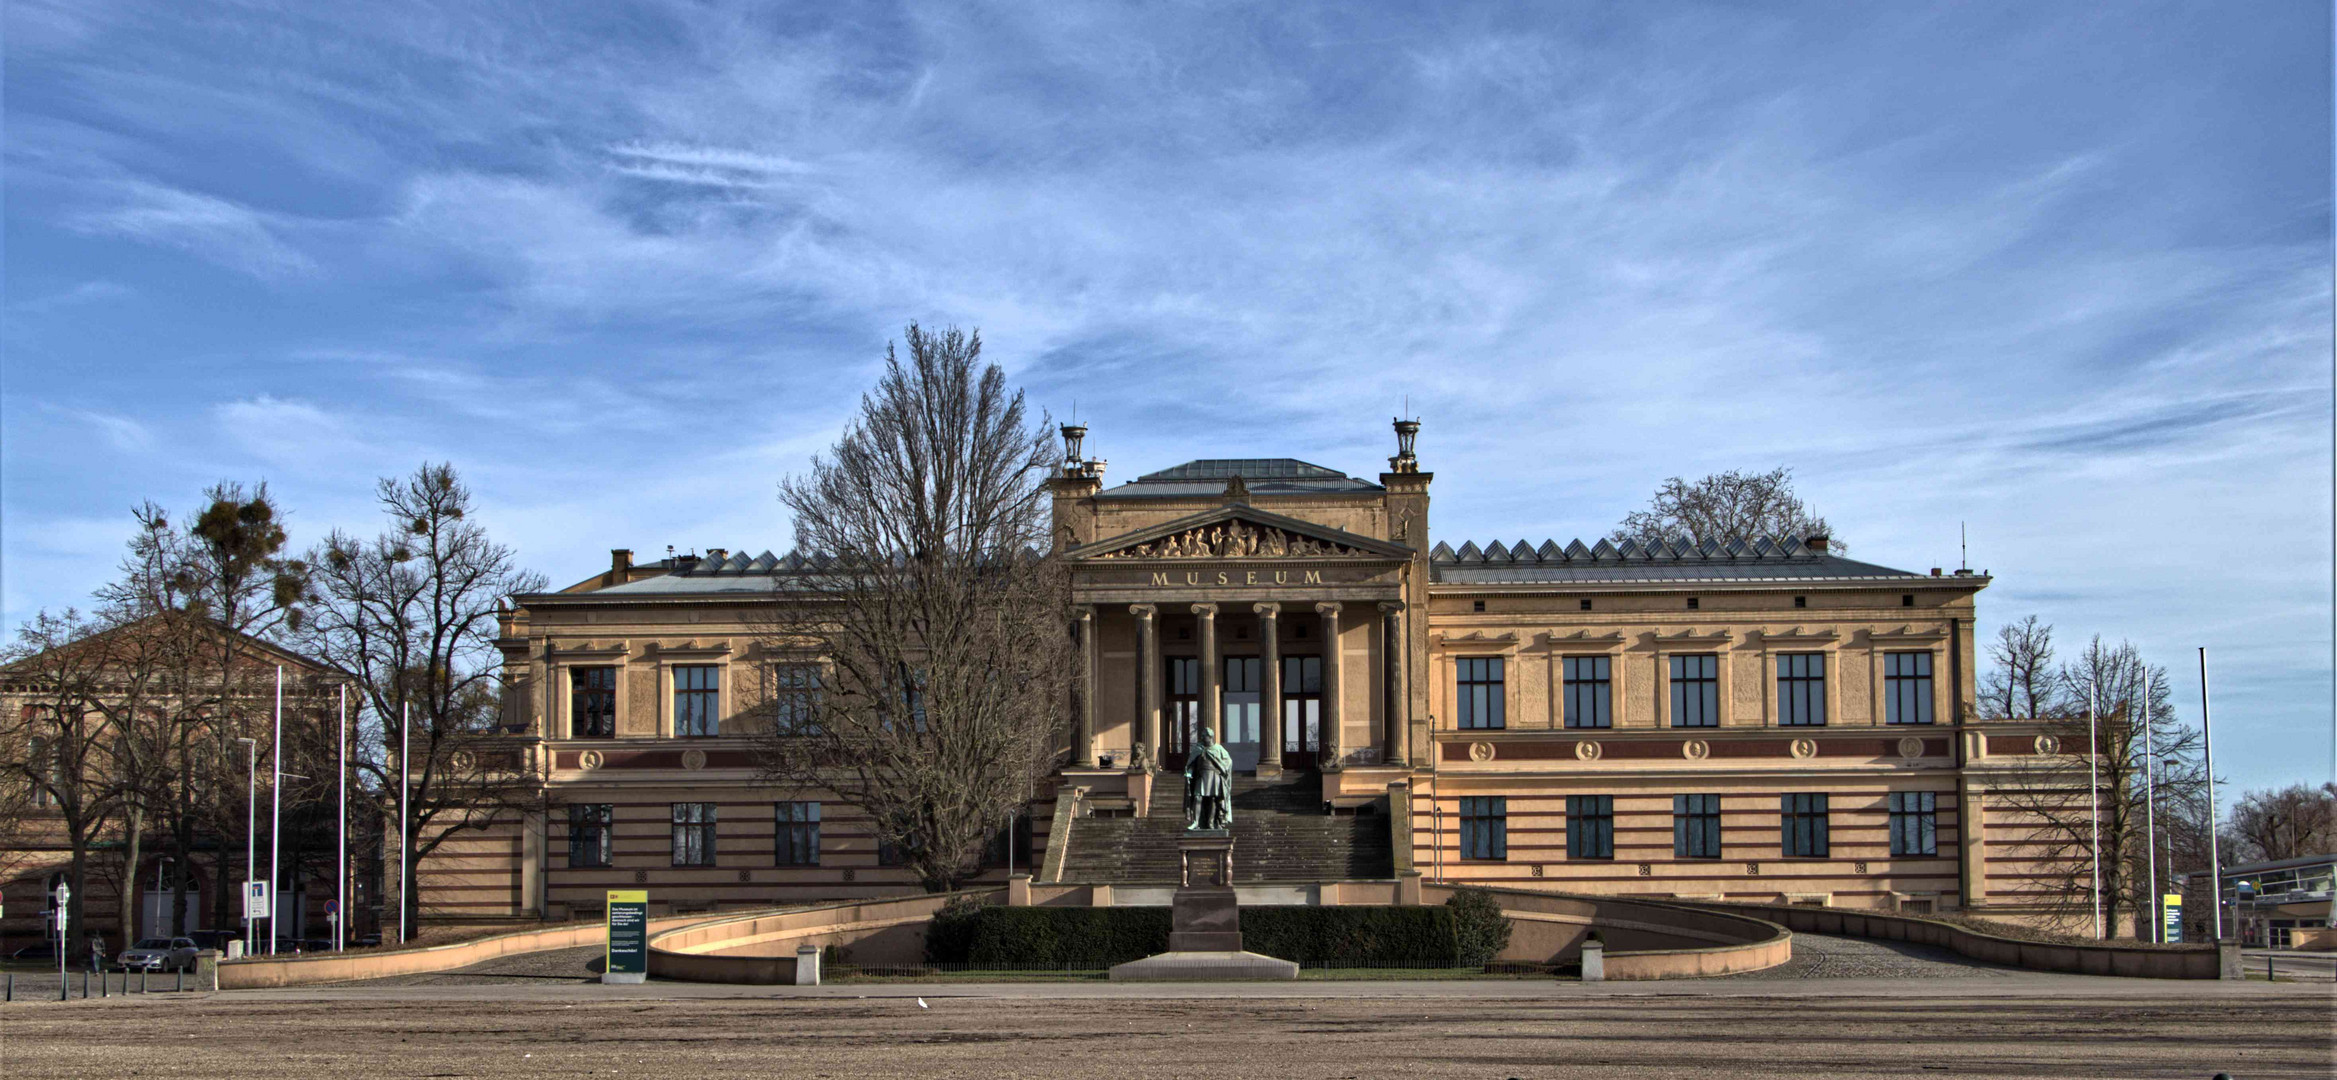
<point>1205,923</point>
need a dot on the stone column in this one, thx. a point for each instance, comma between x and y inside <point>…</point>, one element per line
<point>1144,747</point>
<point>1396,712</point>
<point>1333,715</point>
<point>1269,688</point>
<point>1083,740</point>
<point>1211,714</point>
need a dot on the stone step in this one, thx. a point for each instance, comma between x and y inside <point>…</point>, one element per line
<point>1280,834</point>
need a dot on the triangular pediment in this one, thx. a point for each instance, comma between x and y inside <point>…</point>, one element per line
<point>1240,532</point>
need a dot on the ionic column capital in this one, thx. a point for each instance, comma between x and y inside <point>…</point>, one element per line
<point>1205,610</point>
<point>1327,608</point>
<point>1143,611</point>
<point>1267,609</point>
<point>1391,606</point>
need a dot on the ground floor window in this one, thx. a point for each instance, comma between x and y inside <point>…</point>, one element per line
<point>797,828</point>
<point>1484,827</point>
<point>1914,823</point>
<point>1590,826</point>
<point>693,834</point>
<point>1803,828</point>
<point>1696,826</point>
<point>588,833</point>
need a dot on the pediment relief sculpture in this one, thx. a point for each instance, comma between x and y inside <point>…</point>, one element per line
<point>1235,540</point>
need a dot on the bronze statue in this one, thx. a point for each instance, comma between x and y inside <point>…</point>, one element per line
<point>1208,785</point>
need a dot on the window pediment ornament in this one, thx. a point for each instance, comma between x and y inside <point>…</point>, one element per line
<point>1236,539</point>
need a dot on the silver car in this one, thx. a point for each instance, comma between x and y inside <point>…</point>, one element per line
<point>159,954</point>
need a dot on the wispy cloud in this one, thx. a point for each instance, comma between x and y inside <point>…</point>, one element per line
<point>224,232</point>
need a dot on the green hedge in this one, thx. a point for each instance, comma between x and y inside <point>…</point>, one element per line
<point>1049,937</point>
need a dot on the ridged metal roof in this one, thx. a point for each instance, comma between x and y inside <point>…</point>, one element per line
<point>1759,559</point>
<point>1263,476</point>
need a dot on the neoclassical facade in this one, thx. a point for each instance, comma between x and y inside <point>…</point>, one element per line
<point>1758,719</point>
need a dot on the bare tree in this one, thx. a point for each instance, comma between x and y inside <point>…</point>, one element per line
<point>2076,815</point>
<point>2023,683</point>
<point>2271,824</point>
<point>57,738</point>
<point>410,616</point>
<point>1724,506</point>
<point>941,630</point>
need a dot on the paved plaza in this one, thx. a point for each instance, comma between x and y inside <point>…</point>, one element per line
<point>2013,1024</point>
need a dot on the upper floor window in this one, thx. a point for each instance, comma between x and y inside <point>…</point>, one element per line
<point>1696,826</point>
<point>1801,689</point>
<point>1477,692</point>
<point>1695,690</point>
<point>697,699</point>
<point>1590,826</point>
<point>693,834</point>
<point>1803,826</point>
<point>1914,823</point>
<point>798,834</point>
<point>1484,827</point>
<point>589,834</point>
<point>1907,687</point>
<point>795,699</point>
<point>592,703</point>
<point>1590,698</point>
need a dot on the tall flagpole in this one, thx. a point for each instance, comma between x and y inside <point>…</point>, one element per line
<point>2093,756</point>
<point>2214,854</point>
<point>2158,915</point>
<point>405,743</point>
<point>276,817</point>
<point>341,865</point>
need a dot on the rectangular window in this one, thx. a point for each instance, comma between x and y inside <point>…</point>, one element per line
<point>798,834</point>
<point>1184,704</point>
<point>589,834</point>
<point>890,853</point>
<point>1302,705</point>
<point>1801,689</point>
<point>795,699</point>
<point>1696,690</point>
<point>1590,826</point>
<point>1478,692</point>
<point>693,834</point>
<point>1590,698</point>
<point>1914,823</point>
<point>1907,687</point>
<point>1484,827</point>
<point>697,699</point>
<point>1696,826</point>
<point>592,703</point>
<point>1803,830</point>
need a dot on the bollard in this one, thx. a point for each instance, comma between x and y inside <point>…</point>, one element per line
<point>85,986</point>
<point>183,976</point>
<point>141,981</point>
<point>11,992</point>
<point>103,989</point>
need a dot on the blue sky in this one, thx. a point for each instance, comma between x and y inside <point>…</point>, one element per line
<point>2058,271</point>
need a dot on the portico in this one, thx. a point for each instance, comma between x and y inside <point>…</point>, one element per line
<point>1282,636</point>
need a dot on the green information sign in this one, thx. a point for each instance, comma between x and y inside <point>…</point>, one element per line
<point>628,959</point>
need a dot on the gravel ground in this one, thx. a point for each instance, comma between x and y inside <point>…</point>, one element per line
<point>1934,1028</point>
<point>1826,956</point>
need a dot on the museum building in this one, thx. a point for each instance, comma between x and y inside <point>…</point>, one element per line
<point>1759,719</point>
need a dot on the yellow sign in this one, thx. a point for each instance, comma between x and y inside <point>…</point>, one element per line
<point>628,896</point>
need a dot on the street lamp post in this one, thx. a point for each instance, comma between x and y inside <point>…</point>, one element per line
<point>341,864</point>
<point>2158,914</point>
<point>2214,856</point>
<point>251,831</point>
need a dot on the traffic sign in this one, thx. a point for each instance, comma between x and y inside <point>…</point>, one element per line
<point>255,900</point>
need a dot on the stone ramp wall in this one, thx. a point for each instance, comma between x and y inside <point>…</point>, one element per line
<point>308,969</point>
<point>2132,961</point>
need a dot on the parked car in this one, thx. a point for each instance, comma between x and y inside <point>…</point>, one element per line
<point>46,950</point>
<point>215,940</point>
<point>159,954</point>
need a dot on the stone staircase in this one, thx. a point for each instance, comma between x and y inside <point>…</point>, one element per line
<point>1280,833</point>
